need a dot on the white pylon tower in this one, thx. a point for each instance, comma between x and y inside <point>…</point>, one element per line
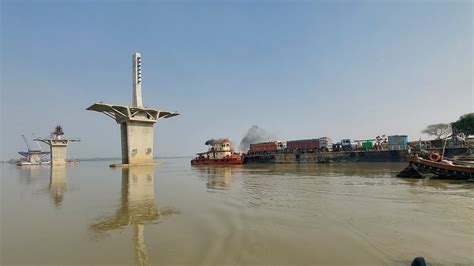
<point>136,122</point>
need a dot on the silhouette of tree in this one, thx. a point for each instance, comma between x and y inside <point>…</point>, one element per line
<point>465,124</point>
<point>438,130</point>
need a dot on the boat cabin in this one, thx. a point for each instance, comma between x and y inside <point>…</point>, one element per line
<point>218,149</point>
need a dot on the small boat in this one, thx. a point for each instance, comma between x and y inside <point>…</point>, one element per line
<point>220,152</point>
<point>443,168</point>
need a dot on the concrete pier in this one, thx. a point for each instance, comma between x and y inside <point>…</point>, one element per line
<point>32,156</point>
<point>58,151</point>
<point>136,122</point>
<point>58,146</point>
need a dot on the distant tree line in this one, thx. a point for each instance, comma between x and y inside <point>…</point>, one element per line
<point>463,126</point>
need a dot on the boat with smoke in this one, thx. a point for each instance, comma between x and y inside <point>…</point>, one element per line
<point>220,152</point>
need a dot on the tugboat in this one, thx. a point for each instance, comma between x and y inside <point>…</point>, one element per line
<point>220,152</point>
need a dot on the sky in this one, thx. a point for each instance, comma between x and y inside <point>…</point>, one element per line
<point>298,69</point>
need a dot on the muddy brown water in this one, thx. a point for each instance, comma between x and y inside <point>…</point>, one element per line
<point>175,214</point>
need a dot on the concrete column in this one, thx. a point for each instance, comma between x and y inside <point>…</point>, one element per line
<point>137,142</point>
<point>136,122</point>
<point>137,80</point>
<point>58,152</point>
<point>35,158</point>
<point>124,142</point>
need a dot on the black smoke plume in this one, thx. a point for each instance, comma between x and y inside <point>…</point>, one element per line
<point>254,134</point>
<point>215,141</point>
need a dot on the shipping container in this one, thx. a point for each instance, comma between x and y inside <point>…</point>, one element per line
<point>398,142</point>
<point>367,145</point>
<point>303,145</point>
<point>263,147</point>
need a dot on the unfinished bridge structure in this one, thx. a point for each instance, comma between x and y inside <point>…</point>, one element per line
<point>136,122</point>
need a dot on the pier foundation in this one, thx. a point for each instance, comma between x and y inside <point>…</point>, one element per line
<point>58,152</point>
<point>137,142</point>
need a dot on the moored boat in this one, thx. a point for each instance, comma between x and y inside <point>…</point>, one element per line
<point>220,152</point>
<point>443,168</point>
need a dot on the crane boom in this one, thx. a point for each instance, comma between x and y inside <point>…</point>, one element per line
<point>37,142</point>
<point>26,142</point>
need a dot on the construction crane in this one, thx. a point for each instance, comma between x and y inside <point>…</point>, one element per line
<point>26,142</point>
<point>37,143</point>
<point>28,145</point>
<point>32,156</point>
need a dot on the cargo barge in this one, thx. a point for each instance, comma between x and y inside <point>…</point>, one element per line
<point>322,150</point>
<point>380,149</point>
<point>329,157</point>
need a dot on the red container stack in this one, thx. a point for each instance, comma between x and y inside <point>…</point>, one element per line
<point>303,144</point>
<point>263,147</point>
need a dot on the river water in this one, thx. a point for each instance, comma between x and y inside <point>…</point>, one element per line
<point>175,214</point>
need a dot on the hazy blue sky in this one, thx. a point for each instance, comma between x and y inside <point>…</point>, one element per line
<point>299,69</point>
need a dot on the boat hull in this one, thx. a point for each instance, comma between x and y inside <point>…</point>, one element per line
<point>442,170</point>
<point>233,160</point>
<point>30,163</point>
<point>328,157</point>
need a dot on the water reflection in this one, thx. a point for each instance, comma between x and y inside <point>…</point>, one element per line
<point>30,173</point>
<point>217,177</point>
<point>250,215</point>
<point>57,184</point>
<point>137,208</point>
<point>340,169</point>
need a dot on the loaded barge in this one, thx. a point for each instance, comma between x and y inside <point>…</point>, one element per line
<point>322,150</point>
<point>328,157</point>
<point>393,148</point>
